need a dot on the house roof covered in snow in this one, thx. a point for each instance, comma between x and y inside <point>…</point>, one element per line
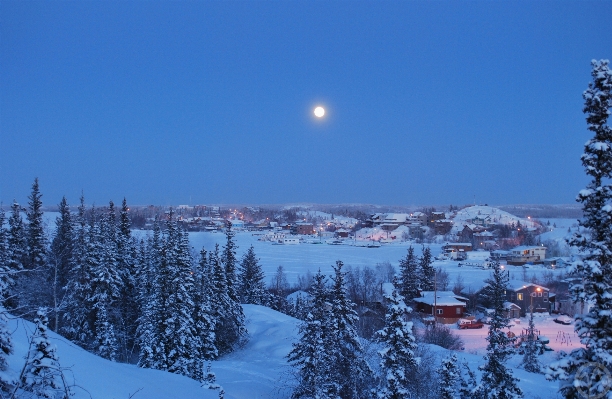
<point>442,298</point>
<point>517,285</point>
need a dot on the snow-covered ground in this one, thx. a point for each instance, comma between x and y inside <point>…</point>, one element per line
<point>258,370</point>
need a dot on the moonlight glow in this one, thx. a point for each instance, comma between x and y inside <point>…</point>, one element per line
<point>319,112</point>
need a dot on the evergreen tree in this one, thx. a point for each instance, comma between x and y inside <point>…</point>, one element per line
<point>61,257</point>
<point>105,344</point>
<point>595,241</point>
<point>230,330</point>
<point>36,238</point>
<point>251,285</point>
<point>229,262</point>
<point>449,378</point>
<point>6,272</point>
<point>75,324</point>
<point>348,368</point>
<point>497,379</point>
<point>42,374</point>
<point>409,277</point>
<point>397,353</point>
<point>426,270</point>
<point>128,312</point>
<point>530,357</point>
<point>7,380</point>
<point>17,250</point>
<point>175,286</point>
<point>312,355</point>
<point>148,323</point>
<point>204,322</point>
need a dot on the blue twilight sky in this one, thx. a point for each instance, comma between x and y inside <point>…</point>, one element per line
<point>211,102</point>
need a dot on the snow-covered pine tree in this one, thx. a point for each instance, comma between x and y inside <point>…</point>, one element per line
<point>176,285</point>
<point>61,258</point>
<point>7,379</point>
<point>75,325</point>
<point>251,285</point>
<point>311,356</point>
<point>36,237</point>
<point>42,374</point>
<point>426,270</point>
<point>148,323</point>
<point>398,345</point>
<point>128,312</point>
<point>450,376</point>
<point>105,284</point>
<point>105,344</point>
<point>204,322</point>
<point>230,330</point>
<point>497,380</point>
<point>228,258</point>
<point>17,239</point>
<point>595,241</point>
<point>409,276</point>
<point>34,288</point>
<point>17,253</point>
<point>530,357</point>
<point>349,368</point>
<point>5,274</point>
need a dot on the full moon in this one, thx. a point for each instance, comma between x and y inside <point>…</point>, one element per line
<point>319,112</point>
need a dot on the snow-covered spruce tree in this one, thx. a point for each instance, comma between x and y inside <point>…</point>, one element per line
<point>349,368</point>
<point>106,283</point>
<point>105,344</point>
<point>36,237</point>
<point>595,241</point>
<point>409,276</point>
<point>450,376</point>
<point>128,311</point>
<point>175,286</point>
<point>530,357</point>
<point>204,322</point>
<point>75,324</point>
<point>311,356</point>
<point>251,285</point>
<point>426,270</point>
<point>7,379</point>
<point>230,328</point>
<point>61,258</point>
<point>148,323</point>
<point>398,345</point>
<point>228,258</point>
<point>16,239</point>
<point>497,380</point>
<point>42,375</point>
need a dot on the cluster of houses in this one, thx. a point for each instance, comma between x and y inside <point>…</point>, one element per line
<point>416,222</point>
<point>522,297</point>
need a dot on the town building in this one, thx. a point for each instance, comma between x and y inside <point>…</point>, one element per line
<point>446,306</point>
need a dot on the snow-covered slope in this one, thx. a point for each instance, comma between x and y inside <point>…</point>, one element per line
<point>255,371</point>
<point>101,379</point>
<point>497,216</point>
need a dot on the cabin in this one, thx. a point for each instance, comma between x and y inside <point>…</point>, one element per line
<point>445,306</point>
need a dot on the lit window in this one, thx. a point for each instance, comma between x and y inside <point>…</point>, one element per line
<point>519,296</point>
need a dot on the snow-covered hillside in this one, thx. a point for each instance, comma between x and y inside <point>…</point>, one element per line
<point>258,370</point>
<point>497,216</point>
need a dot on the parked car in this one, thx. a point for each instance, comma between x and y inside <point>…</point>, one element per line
<point>463,324</point>
<point>563,320</point>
